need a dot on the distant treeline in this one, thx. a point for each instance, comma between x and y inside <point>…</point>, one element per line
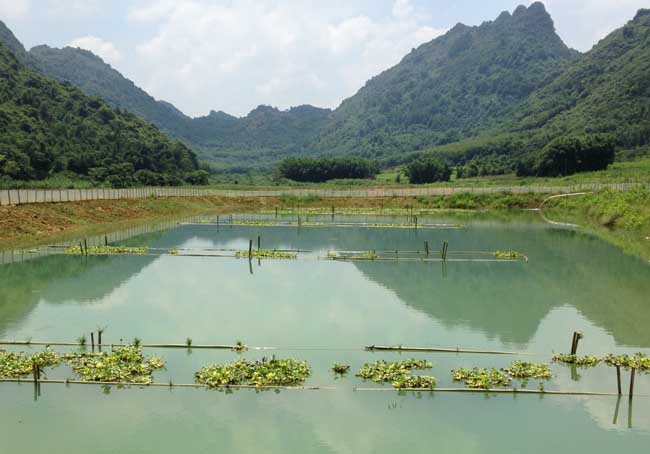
<point>324,169</point>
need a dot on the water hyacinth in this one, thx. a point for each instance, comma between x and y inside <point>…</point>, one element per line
<point>107,250</point>
<point>273,372</point>
<point>340,368</point>
<point>398,373</point>
<point>415,382</point>
<point>266,254</point>
<point>18,365</point>
<point>124,364</point>
<point>523,369</point>
<point>508,255</point>
<point>481,378</point>
<point>580,361</point>
<point>638,361</point>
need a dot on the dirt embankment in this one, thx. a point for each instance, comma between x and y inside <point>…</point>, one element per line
<point>30,224</point>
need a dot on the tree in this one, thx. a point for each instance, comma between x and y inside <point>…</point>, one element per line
<point>428,170</point>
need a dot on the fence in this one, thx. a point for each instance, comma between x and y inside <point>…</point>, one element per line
<point>27,196</point>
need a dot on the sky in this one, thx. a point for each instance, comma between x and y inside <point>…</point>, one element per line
<point>233,55</point>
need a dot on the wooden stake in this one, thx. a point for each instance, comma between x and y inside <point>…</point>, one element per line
<point>86,246</point>
<point>576,338</point>
<point>618,379</point>
<point>92,340</point>
<point>426,248</point>
<point>259,242</point>
<point>105,244</point>
<point>632,382</point>
<point>250,249</point>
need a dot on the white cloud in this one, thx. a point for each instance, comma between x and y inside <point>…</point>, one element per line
<point>105,49</point>
<point>13,9</point>
<point>233,56</point>
<point>582,23</point>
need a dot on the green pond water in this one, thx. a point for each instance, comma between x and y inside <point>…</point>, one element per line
<point>325,312</point>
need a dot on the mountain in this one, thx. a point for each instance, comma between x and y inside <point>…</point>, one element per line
<point>452,87</point>
<point>606,91</point>
<point>48,128</point>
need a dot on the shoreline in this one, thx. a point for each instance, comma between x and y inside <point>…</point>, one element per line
<point>35,224</point>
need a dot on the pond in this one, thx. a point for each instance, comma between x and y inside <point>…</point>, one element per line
<point>324,312</point>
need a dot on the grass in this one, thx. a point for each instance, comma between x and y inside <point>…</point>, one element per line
<point>622,218</point>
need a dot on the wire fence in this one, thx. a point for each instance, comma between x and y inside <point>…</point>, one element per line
<point>30,196</point>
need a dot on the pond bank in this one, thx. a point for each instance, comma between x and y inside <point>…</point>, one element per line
<point>622,218</point>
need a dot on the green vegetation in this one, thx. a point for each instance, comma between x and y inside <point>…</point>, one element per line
<point>340,368</point>
<point>325,169</point>
<point>580,361</point>
<point>639,361</point>
<point>622,218</point>
<point>273,372</point>
<point>450,88</point>
<point>266,254</point>
<point>509,255</point>
<point>481,378</point>
<point>18,365</point>
<point>524,369</point>
<point>398,373</point>
<point>124,364</point>
<point>51,128</point>
<point>427,170</point>
<point>569,155</point>
<point>107,250</point>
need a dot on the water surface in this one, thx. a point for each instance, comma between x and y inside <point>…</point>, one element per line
<point>326,312</point>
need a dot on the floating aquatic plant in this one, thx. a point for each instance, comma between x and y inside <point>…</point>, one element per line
<point>273,372</point>
<point>124,364</point>
<point>340,368</point>
<point>240,346</point>
<point>415,382</point>
<point>508,255</point>
<point>638,361</point>
<point>369,255</point>
<point>173,252</point>
<point>17,365</point>
<point>384,372</point>
<point>524,369</point>
<point>481,378</point>
<point>267,254</point>
<point>107,250</point>
<point>580,361</point>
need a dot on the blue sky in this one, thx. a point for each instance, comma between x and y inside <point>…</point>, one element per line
<point>233,55</point>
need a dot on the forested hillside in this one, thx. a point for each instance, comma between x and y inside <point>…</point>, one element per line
<point>452,87</point>
<point>265,135</point>
<point>487,99</point>
<point>49,128</point>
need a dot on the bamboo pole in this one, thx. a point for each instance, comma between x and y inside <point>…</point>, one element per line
<point>321,388</point>
<point>442,350</point>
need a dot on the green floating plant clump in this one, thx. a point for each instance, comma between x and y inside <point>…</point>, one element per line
<point>124,364</point>
<point>580,361</point>
<point>481,378</point>
<point>273,372</point>
<point>17,365</point>
<point>638,361</point>
<point>415,382</point>
<point>340,368</point>
<point>508,255</point>
<point>524,369</point>
<point>266,254</point>
<point>107,250</point>
<point>370,255</point>
<point>397,373</point>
